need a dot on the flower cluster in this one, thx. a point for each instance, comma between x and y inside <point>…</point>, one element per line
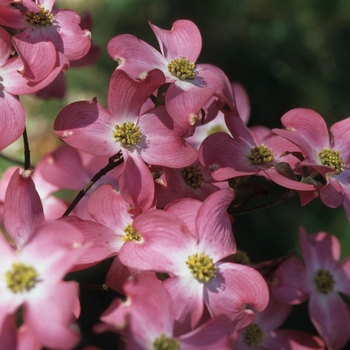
<point>163,168</point>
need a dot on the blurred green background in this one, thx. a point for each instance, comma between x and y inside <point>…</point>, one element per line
<point>287,54</point>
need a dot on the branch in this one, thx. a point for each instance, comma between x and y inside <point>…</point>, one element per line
<point>113,162</point>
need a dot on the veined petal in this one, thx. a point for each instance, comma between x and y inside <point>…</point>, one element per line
<point>341,136</point>
<point>236,291</point>
<point>12,119</point>
<point>126,95</point>
<point>213,334</point>
<point>5,46</point>
<point>69,34</point>
<point>104,242</point>
<point>184,105</point>
<point>214,228</point>
<point>165,244</point>
<point>87,126</point>
<point>23,210</point>
<point>163,143</point>
<point>107,206</point>
<point>135,56</point>
<point>53,249</point>
<point>35,68</point>
<point>214,77</point>
<point>307,129</point>
<point>50,318</point>
<point>186,209</point>
<point>140,316</point>
<point>226,157</point>
<point>332,193</point>
<point>17,84</point>
<point>183,40</point>
<point>11,17</point>
<point>63,167</point>
<point>136,183</point>
<point>187,297</point>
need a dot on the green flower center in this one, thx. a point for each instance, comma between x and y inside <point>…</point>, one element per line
<point>253,335</point>
<point>201,267</point>
<point>324,281</point>
<point>21,278</point>
<point>331,158</point>
<point>128,134</point>
<point>193,176</point>
<point>131,234</point>
<point>216,128</point>
<point>261,155</point>
<point>165,343</point>
<point>182,69</point>
<point>42,18</point>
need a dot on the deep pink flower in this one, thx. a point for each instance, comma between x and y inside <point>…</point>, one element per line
<point>329,156</point>
<point>191,85</point>
<point>152,137</point>
<point>12,117</point>
<point>320,280</point>
<point>264,333</point>
<point>244,154</point>
<point>193,181</point>
<point>45,32</point>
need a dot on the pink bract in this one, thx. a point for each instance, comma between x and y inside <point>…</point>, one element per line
<point>147,316</point>
<point>57,32</point>
<point>168,240</point>
<point>186,95</point>
<point>308,130</point>
<point>242,155</point>
<point>320,280</point>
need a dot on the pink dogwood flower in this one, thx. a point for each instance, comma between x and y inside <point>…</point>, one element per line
<point>147,320</point>
<point>45,32</point>
<point>215,119</point>
<point>245,154</point>
<point>320,280</point>
<point>191,84</point>
<point>329,156</point>
<point>264,333</point>
<point>152,137</point>
<point>193,181</point>
<point>188,241</point>
<point>12,117</point>
<point>34,266</point>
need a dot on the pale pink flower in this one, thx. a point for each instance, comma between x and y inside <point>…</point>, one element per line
<point>147,320</point>
<point>191,84</point>
<point>188,241</point>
